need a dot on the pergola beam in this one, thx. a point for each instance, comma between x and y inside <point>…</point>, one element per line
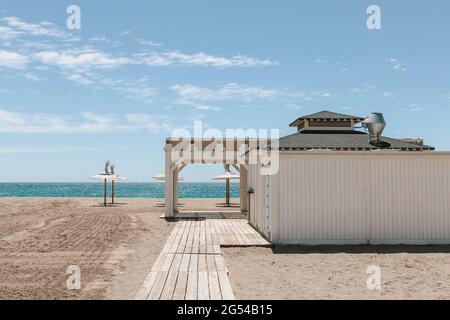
<point>232,154</point>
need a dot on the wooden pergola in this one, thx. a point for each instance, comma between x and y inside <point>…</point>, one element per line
<point>180,152</point>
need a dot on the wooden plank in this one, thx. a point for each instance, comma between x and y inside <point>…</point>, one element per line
<point>184,265</point>
<point>177,239</point>
<point>228,237</point>
<point>183,240</point>
<point>171,239</point>
<point>158,287</point>
<point>190,239</point>
<point>144,292</point>
<point>209,244</point>
<point>202,266</point>
<point>158,263</point>
<point>181,286</point>
<point>210,262</point>
<point>169,286</point>
<point>235,234</point>
<point>167,262</point>
<point>191,287</point>
<point>202,238</point>
<point>225,286</point>
<point>196,241</point>
<point>203,287</point>
<point>193,263</point>
<point>214,287</point>
<point>220,263</point>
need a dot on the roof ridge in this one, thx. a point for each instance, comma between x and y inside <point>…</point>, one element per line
<point>326,114</point>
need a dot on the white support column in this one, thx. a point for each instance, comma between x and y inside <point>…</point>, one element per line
<point>243,185</point>
<point>168,182</point>
<point>175,189</point>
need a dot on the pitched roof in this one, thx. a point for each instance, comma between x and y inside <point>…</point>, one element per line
<point>326,115</point>
<point>348,140</point>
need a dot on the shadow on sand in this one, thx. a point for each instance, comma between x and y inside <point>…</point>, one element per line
<point>355,249</point>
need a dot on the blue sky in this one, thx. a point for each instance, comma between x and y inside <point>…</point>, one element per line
<point>137,70</point>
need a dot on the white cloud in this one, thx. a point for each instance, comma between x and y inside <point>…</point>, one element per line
<point>207,107</point>
<point>8,92</point>
<point>7,33</point>
<point>196,105</point>
<point>100,148</point>
<point>363,89</point>
<point>139,40</point>
<point>396,65</point>
<point>347,108</point>
<point>12,60</point>
<point>413,107</point>
<point>80,79</point>
<point>82,60</point>
<point>44,46</point>
<point>45,28</point>
<point>202,59</point>
<point>446,96</point>
<point>237,92</point>
<point>231,91</point>
<point>41,123</point>
<point>14,150</point>
<point>294,106</point>
<point>33,77</point>
<point>133,89</point>
<point>103,39</point>
<point>153,124</point>
<point>322,61</point>
<point>390,95</point>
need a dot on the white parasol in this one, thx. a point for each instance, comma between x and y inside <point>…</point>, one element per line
<point>227,176</point>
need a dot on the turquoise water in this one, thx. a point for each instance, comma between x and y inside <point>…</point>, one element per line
<point>124,189</point>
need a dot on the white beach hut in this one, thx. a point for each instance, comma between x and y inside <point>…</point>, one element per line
<point>340,185</point>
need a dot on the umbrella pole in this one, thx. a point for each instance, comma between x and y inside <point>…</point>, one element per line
<point>228,192</point>
<point>104,193</point>
<point>113,191</point>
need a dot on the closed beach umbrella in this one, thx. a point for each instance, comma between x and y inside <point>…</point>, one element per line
<point>105,177</point>
<point>227,176</point>
<point>108,175</point>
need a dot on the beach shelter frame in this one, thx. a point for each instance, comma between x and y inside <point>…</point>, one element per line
<point>235,152</point>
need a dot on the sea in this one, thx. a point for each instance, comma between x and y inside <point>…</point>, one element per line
<point>122,189</point>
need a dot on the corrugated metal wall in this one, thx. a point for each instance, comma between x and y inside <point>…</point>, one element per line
<point>358,198</point>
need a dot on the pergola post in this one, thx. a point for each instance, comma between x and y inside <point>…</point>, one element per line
<point>175,189</point>
<point>168,182</point>
<point>243,172</point>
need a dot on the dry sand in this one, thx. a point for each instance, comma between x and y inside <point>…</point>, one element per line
<point>294,272</point>
<point>114,247</point>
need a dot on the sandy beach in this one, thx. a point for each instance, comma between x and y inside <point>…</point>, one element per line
<point>115,248</point>
<point>339,272</point>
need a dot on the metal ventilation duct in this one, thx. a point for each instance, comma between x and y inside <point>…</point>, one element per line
<point>375,124</point>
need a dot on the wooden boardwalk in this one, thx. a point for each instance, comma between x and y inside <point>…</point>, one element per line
<point>191,267</point>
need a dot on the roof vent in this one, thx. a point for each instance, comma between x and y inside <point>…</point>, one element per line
<point>375,124</point>
<point>417,141</point>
